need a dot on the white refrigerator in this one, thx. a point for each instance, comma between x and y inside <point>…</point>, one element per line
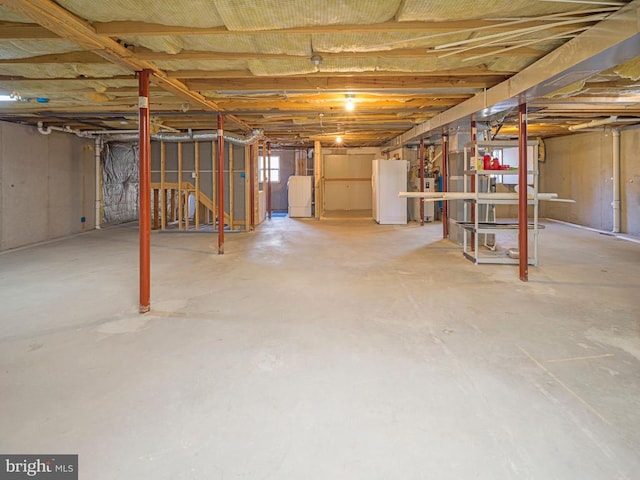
<point>387,179</point>
<point>300,192</point>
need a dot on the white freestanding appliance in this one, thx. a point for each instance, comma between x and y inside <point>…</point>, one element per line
<point>300,190</point>
<point>387,179</point>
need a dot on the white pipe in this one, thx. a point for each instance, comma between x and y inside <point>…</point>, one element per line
<point>616,180</point>
<point>593,123</point>
<point>44,131</point>
<point>97,151</point>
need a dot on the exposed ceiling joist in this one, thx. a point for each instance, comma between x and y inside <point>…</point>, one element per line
<point>610,42</point>
<point>424,82</point>
<point>119,29</point>
<point>63,23</point>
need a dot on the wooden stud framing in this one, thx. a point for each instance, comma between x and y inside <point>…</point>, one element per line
<point>156,208</point>
<point>172,206</point>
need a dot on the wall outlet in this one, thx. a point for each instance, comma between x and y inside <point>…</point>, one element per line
<point>194,174</point>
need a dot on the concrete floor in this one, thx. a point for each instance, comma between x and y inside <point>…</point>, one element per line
<point>337,349</point>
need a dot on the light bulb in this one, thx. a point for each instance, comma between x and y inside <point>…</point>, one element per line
<point>338,139</point>
<point>350,106</point>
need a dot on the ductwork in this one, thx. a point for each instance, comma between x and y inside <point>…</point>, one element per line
<point>132,135</point>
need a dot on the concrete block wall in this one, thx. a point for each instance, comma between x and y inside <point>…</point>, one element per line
<point>580,166</point>
<point>47,184</point>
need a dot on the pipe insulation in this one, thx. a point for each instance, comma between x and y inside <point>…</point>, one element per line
<point>616,180</point>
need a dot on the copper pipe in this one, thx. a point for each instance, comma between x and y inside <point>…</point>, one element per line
<point>220,184</point>
<point>523,215</point>
<point>422,180</point>
<point>145,191</point>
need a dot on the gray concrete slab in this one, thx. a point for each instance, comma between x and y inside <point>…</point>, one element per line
<point>335,349</point>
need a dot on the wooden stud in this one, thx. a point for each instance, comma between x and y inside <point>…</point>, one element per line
<point>156,206</point>
<point>172,210</point>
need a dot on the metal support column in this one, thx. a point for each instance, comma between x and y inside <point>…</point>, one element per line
<point>523,220</point>
<point>421,180</point>
<point>268,179</point>
<point>145,191</point>
<point>220,184</point>
<point>252,186</point>
<point>445,185</point>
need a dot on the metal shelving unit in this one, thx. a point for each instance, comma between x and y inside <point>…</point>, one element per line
<point>481,229</point>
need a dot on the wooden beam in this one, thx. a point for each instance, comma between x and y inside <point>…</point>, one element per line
<point>53,17</point>
<point>69,57</point>
<point>124,28</point>
<point>468,71</point>
<point>343,83</point>
<point>149,55</point>
<point>24,31</point>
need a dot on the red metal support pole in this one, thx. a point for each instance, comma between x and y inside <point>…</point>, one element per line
<point>421,180</point>
<point>445,185</point>
<point>523,214</point>
<point>268,179</point>
<point>220,184</point>
<point>252,186</point>
<point>145,191</point>
<point>472,154</point>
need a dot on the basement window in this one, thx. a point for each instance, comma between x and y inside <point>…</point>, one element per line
<point>274,176</point>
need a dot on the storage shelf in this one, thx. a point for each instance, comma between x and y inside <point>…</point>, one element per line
<point>490,231</point>
<point>496,259</point>
<point>492,227</point>
<point>498,172</point>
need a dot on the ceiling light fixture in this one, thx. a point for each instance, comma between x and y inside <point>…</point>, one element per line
<point>338,139</point>
<point>350,103</point>
<point>316,59</point>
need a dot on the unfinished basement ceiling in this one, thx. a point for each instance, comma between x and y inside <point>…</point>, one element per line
<point>403,62</point>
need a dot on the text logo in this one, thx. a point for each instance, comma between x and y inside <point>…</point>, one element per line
<point>45,467</point>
